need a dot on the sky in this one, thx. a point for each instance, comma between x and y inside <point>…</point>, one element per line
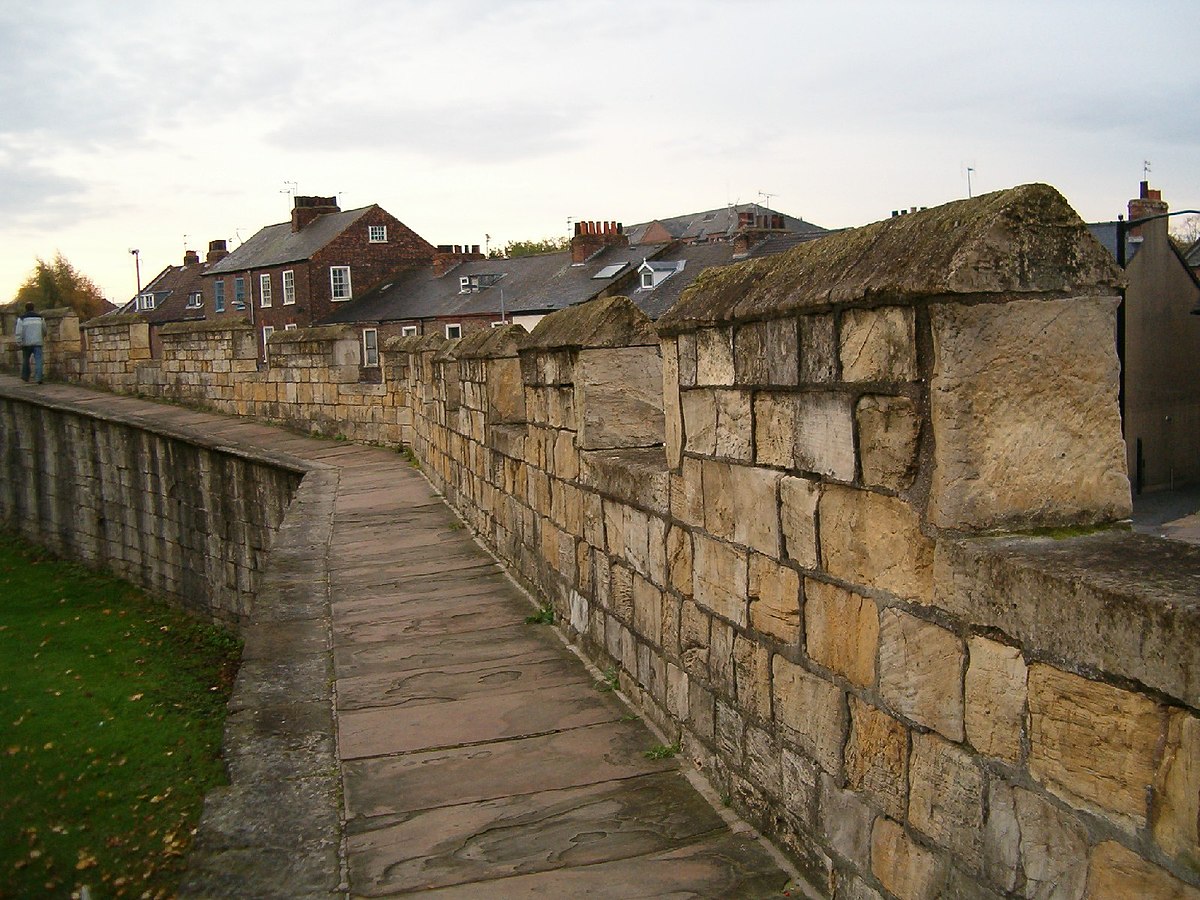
<point>161,126</point>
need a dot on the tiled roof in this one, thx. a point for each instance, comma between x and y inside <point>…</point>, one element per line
<point>171,288</point>
<point>711,223</point>
<point>278,244</point>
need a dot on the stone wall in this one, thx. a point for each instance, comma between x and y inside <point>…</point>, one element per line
<point>787,521</point>
<point>190,522</point>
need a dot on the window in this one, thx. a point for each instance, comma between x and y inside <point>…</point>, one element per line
<point>377,234</point>
<point>609,271</point>
<point>339,282</point>
<point>239,293</point>
<point>268,330</point>
<point>289,287</point>
<point>408,330</point>
<point>370,346</point>
<point>647,279</point>
<point>453,331</point>
<point>145,301</point>
<point>219,295</point>
<point>264,290</point>
<point>195,300</point>
<point>290,326</point>
<point>464,285</point>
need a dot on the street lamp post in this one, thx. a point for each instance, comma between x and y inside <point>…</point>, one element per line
<point>137,267</point>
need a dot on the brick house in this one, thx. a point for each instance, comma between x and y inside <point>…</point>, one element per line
<point>297,273</point>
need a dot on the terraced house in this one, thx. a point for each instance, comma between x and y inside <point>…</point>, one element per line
<point>297,273</point>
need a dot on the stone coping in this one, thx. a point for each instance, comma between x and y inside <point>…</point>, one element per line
<point>207,326</point>
<point>1128,604</point>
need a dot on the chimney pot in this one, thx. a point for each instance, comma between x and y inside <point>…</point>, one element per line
<point>216,251</point>
<point>190,257</point>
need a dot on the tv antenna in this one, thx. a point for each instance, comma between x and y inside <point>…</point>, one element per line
<point>1145,170</point>
<point>289,188</point>
<point>970,169</point>
<point>767,198</point>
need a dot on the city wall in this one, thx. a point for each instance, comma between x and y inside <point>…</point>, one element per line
<point>846,524</point>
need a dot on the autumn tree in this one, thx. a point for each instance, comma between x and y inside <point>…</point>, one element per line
<point>528,248</point>
<point>57,284</point>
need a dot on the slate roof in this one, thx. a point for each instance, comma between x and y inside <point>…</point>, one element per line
<point>529,285</point>
<point>278,244</point>
<point>715,223</point>
<point>1106,234</point>
<point>171,288</point>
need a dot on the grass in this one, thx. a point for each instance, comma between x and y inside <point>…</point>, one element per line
<point>611,681</point>
<point>111,709</point>
<point>661,751</point>
<point>544,616</point>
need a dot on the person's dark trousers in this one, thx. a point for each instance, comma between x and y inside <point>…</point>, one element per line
<point>33,354</point>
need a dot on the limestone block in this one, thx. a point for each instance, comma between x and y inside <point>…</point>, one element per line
<point>846,822</point>
<point>766,353</point>
<point>903,866</point>
<point>1092,744</point>
<point>720,581</point>
<point>1116,873</point>
<point>687,359</point>
<point>775,429</point>
<point>741,504</point>
<point>1025,421</point>
<point>841,631</point>
<point>672,409</point>
<point>752,677</point>
<point>876,541</point>
<point>699,422</point>
<point>887,440</point>
<point>774,599</point>
<point>811,710</point>
<point>920,672</point>
<point>687,495</point>
<point>565,456</point>
<point>679,560</point>
<point>878,344</point>
<point>1052,847</point>
<point>946,794</point>
<point>619,397</point>
<point>579,613</point>
<point>818,350</point>
<point>1002,837</point>
<point>825,435</point>
<point>694,626</point>
<point>763,761</point>
<point>714,357</point>
<point>734,431</point>
<point>678,692</point>
<point>995,690</point>
<point>798,499</point>
<point>1176,811</point>
<point>647,610</point>
<point>877,757</point>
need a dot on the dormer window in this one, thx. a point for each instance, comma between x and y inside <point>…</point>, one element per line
<point>647,279</point>
<point>145,302</point>
<point>377,234</point>
<point>473,284</point>
<point>464,285</point>
<point>195,300</point>
<point>653,274</point>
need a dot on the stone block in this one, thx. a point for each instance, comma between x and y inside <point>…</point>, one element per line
<point>1117,873</point>
<point>799,788</point>
<point>994,705</point>
<point>888,429</point>
<point>921,672</point>
<point>775,429</point>
<point>1176,810</point>
<point>811,710</point>
<point>876,541</point>
<point>699,421</point>
<point>687,359</point>
<point>946,796</point>
<point>846,822</point>
<point>903,866</point>
<point>841,631</point>
<point>774,599</point>
<point>679,560</point>
<point>825,435</point>
<point>1052,848</point>
<point>818,349</point>
<point>734,426</point>
<point>694,626</point>
<point>741,504</point>
<point>766,353</point>
<point>714,357</point>
<point>763,761</point>
<point>647,611</point>
<point>672,408</point>
<point>1025,421</point>
<point>619,397</point>
<point>752,676</point>
<point>1093,745</point>
<point>877,757</point>
<point>878,345</point>
<point>687,495</point>
<point>721,579</point>
<point>798,499</point>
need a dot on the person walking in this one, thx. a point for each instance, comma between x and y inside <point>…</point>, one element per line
<point>31,332</point>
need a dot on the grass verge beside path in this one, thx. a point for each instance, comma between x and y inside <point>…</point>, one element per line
<point>111,711</point>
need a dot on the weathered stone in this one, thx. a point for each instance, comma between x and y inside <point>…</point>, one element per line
<point>1025,421</point>
<point>920,672</point>
<point>799,786</point>
<point>721,578</point>
<point>887,440</point>
<point>619,397</point>
<point>752,673</point>
<point>903,866</point>
<point>876,541</point>
<point>699,421</point>
<point>841,631</point>
<point>687,497</point>
<point>1092,744</point>
<point>647,610</point>
<point>714,357</point>
<point>693,639</point>
<point>774,599</point>
<point>825,435</point>
<point>946,793</point>
<point>878,345</point>
<point>846,821</point>
<point>995,692</point>
<point>798,499</point>
<point>687,359</point>
<point>877,757</point>
<point>766,353</point>
<point>679,560</point>
<point>763,761</point>
<point>1053,849</point>
<point>1176,811</point>
<point>818,350</point>
<point>1002,837</point>
<point>672,408</point>
<point>812,711</point>
<point>775,429</point>
<point>740,505</point>
<point>734,426</point>
<point>1116,873</point>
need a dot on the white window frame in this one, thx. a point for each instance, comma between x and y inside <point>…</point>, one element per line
<point>195,300</point>
<point>370,348</point>
<point>464,284</point>
<point>145,301</point>
<point>267,331</point>
<point>647,279</point>
<point>408,330</point>
<point>337,292</point>
<point>289,287</point>
<point>290,326</point>
<point>457,326</point>
<point>377,234</point>
<point>264,290</point>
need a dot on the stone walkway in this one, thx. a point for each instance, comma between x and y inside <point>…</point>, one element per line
<point>478,755</point>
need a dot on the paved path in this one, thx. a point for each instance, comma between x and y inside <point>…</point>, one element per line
<point>478,756</point>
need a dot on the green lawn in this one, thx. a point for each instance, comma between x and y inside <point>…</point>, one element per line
<point>111,711</point>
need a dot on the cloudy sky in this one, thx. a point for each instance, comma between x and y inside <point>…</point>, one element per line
<point>162,125</point>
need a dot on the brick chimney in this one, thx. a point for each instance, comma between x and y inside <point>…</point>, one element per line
<point>216,252</point>
<point>191,258</point>
<point>754,227</point>
<point>1149,202</point>
<point>592,237</point>
<point>447,256</point>
<point>305,209</point>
